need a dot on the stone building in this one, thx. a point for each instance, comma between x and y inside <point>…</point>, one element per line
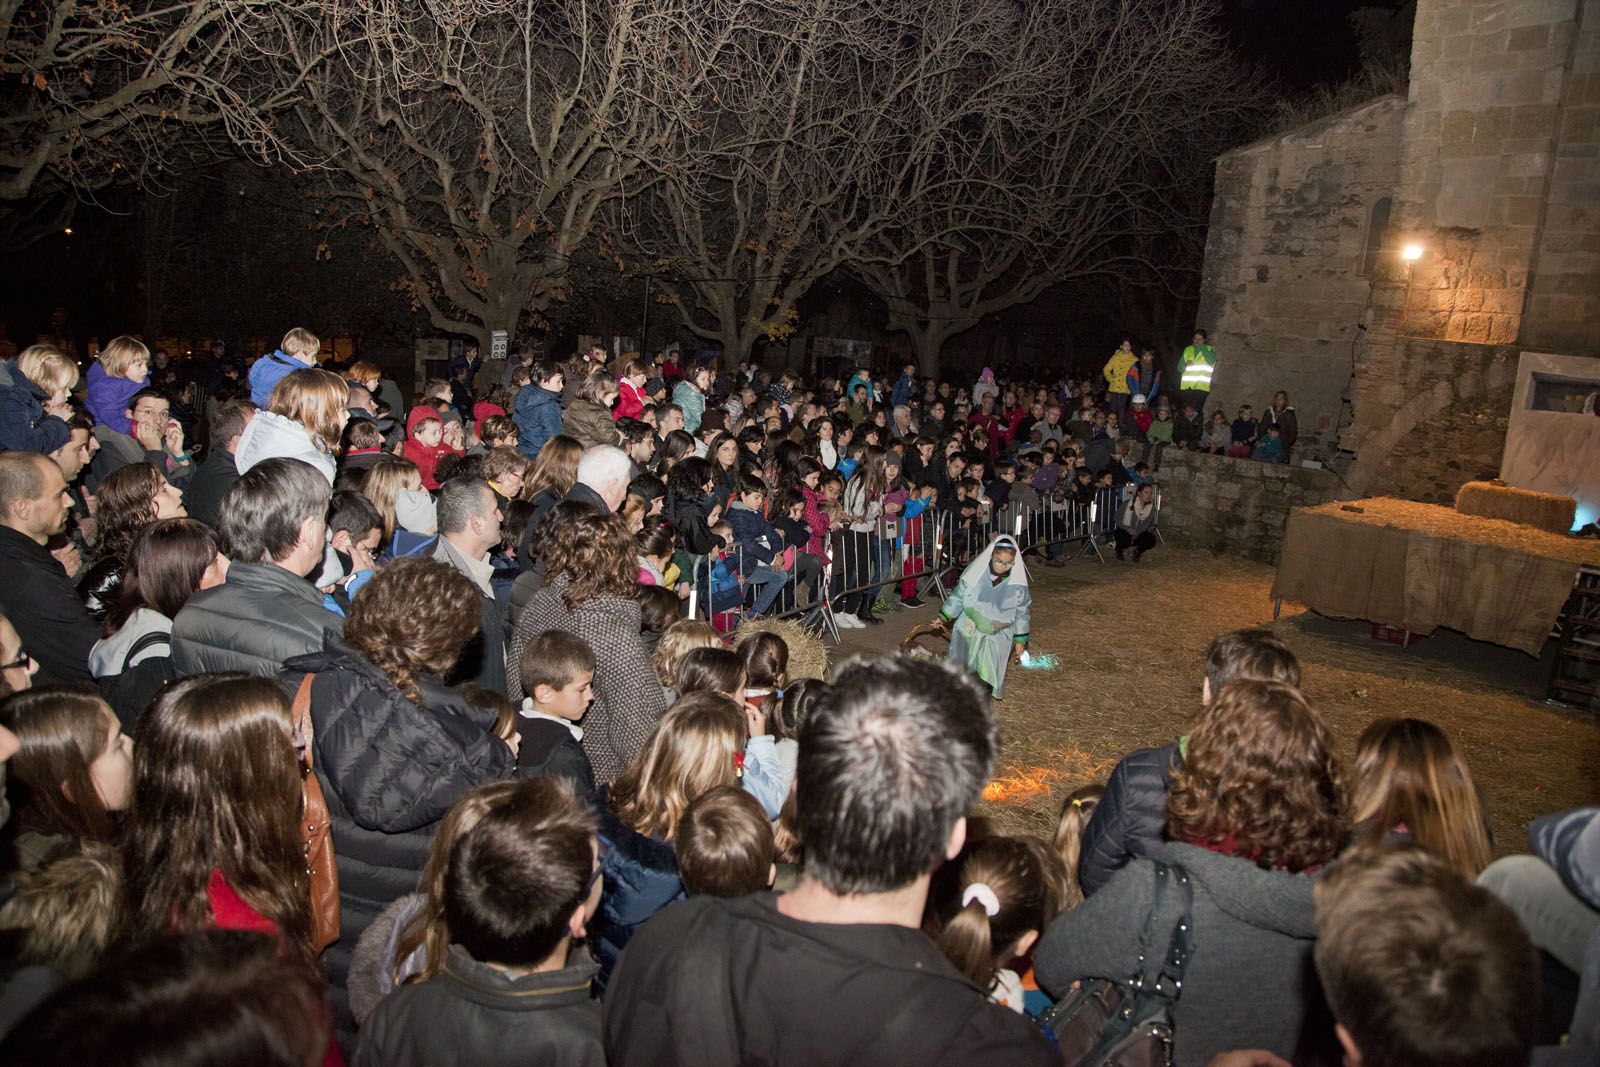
<point>1401,369</point>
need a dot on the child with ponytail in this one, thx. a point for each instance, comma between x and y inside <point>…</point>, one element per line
<point>1076,811</point>
<point>990,909</point>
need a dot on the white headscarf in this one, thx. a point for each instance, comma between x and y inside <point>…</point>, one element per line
<point>1019,570</point>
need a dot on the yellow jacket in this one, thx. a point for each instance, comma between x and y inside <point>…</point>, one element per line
<point>1117,368</point>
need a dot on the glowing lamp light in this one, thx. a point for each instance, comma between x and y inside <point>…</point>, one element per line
<point>1411,253</point>
<point>67,231</point>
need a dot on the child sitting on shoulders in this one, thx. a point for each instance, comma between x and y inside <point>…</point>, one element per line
<point>989,907</point>
<point>557,672</point>
<point>725,845</point>
<point>425,443</point>
<point>519,890</point>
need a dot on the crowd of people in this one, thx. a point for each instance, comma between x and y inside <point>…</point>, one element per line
<point>392,734</point>
<point>1151,415</point>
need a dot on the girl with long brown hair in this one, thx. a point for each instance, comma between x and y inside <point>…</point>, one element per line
<point>213,833</point>
<point>1410,780</point>
<point>304,419</point>
<point>73,772</point>
<point>697,746</point>
<point>386,485</point>
<point>863,510</point>
<point>591,589</point>
<point>170,561</point>
<point>553,474</point>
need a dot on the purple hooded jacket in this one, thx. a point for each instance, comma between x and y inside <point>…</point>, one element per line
<point>108,397</point>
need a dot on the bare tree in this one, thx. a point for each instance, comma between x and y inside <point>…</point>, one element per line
<point>97,92</point>
<point>1053,168</point>
<point>767,187</point>
<point>482,138</point>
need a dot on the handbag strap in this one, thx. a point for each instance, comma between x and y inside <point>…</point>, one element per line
<point>300,715</point>
<point>144,643</point>
<point>1167,983</point>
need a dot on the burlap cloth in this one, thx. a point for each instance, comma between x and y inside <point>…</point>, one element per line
<point>1421,566</point>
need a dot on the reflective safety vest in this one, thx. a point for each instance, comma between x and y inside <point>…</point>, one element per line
<point>1198,363</point>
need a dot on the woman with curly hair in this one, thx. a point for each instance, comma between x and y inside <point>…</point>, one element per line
<point>129,499</point>
<point>1256,812</point>
<point>393,746</point>
<point>591,589</point>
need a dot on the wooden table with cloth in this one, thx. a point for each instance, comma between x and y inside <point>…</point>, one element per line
<point>1421,566</point>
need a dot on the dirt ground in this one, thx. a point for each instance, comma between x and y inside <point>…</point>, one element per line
<point>1130,638</point>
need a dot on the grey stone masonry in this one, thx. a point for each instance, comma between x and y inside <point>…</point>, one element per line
<point>1236,506</point>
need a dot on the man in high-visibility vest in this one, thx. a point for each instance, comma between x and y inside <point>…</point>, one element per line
<point>1198,363</point>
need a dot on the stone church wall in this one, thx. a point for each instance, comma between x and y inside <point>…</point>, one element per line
<point>1287,259</point>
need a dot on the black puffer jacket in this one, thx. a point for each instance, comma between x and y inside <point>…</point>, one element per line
<point>1131,819</point>
<point>390,770</point>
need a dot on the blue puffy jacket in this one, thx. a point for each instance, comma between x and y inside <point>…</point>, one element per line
<point>24,427</point>
<point>538,418</point>
<point>640,876</point>
<point>267,372</point>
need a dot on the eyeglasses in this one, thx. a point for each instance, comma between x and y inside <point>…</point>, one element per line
<point>22,660</point>
<point>602,853</point>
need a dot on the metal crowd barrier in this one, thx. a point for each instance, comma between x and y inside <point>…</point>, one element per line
<point>921,556</point>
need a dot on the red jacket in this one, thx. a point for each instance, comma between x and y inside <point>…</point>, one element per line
<point>425,457</point>
<point>630,401</point>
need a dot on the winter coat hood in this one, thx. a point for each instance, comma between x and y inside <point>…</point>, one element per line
<point>418,414</point>
<point>272,436</point>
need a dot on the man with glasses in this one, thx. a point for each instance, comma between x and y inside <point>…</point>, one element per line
<point>35,593</point>
<point>156,439</point>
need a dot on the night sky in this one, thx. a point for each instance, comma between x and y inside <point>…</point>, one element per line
<point>1305,42</point>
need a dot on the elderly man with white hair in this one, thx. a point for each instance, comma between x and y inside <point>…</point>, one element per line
<point>604,472</point>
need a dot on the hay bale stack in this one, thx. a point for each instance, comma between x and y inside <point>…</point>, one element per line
<point>808,657</point>
<point>1497,500</point>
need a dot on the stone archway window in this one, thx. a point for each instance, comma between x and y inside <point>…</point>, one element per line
<point>1377,234</point>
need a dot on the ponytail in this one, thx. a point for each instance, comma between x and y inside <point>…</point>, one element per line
<point>1001,888</point>
<point>967,941</point>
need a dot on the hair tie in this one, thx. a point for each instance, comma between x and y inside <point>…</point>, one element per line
<point>1077,802</point>
<point>983,895</point>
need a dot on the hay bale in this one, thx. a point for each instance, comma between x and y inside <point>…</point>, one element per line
<point>808,657</point>
<point>1496,500</point>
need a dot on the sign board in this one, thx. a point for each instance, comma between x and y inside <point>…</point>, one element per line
<point>497,344</point>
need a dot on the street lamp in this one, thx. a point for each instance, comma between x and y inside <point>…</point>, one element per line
<point>1411,253</point>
